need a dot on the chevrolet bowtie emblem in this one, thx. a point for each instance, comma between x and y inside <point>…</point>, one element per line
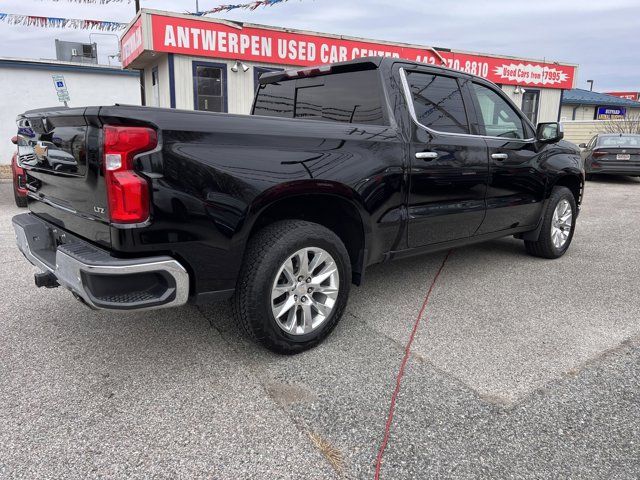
<point>40,150</point>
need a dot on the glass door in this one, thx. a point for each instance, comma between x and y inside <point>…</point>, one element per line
<point>155,87</point>
<point>530,100</point>
<point>210,87</point>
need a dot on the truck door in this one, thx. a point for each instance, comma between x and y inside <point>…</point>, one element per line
<point>448,165</point>
<point>516,186</point>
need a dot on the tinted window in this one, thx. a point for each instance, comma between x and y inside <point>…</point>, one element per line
<point>352,97</point>
<point>310,102</point>
<point>498,118</point>
<point>276,99</point>
<point>438,102</point>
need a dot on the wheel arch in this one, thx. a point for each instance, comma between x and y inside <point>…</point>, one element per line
<point>332,206</point>
<point>573,181</point>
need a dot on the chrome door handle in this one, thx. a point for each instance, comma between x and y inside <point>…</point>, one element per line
<point>427,155</point>
<point>499,156</point>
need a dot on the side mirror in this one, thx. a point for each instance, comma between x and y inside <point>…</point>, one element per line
<point>583,145</point>
<point>14,140</point>
<point>549,132</point>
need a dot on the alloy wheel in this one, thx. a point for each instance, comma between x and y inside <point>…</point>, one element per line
<point>561,223</point>
<point>305,291</point>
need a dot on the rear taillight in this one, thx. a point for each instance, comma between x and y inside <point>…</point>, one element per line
<point>598,154</point>
<point>127,192</point>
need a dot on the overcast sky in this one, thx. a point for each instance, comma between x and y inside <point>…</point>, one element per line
<point>599,35</point>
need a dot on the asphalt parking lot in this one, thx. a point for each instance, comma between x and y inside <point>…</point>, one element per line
<point>521,368</point>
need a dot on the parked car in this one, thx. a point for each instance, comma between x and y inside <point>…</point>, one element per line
<point>612,154</point>
<point>17,173</point>
<point>338,167</point>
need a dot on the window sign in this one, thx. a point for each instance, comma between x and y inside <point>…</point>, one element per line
<point>611,113</point>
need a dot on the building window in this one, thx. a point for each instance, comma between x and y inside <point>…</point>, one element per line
<point>210,87</point>
<point>257,71</point>
<point>155,87</point>
<point>530,102</point>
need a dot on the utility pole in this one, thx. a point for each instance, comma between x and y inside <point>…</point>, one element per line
<point>141,72</point>
<point>197,8</point>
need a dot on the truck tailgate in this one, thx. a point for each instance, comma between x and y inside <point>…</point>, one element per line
<point>60,152</point>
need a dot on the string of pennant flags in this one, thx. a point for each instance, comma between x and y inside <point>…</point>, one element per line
<point>106,26</point>
<point>222,8</point>
<point>245,6</point>
<point>56,22</point>
<point>99,2</point>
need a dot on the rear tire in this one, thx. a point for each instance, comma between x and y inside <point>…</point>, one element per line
<point>270,260</point>
<point>588,176</point>
<point>555,234</point>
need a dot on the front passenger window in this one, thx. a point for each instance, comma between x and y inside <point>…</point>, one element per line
<point>497,116</point>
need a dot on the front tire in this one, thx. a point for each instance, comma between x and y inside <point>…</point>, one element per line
<point>558,225</point>
<point>293,285</point>
<point>20,201</point>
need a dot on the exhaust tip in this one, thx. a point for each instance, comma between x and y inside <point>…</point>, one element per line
<point>46,279</point>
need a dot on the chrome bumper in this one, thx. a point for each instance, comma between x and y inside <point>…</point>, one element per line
<point>98,279</point>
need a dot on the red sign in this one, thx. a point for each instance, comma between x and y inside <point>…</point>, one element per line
<point>209,39</point>
<point>131,43</point>
<point>628,95</point>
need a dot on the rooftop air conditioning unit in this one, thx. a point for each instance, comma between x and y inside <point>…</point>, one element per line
<point>76,52</point>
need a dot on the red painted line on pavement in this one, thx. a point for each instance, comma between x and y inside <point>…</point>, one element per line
<point>403,363</point>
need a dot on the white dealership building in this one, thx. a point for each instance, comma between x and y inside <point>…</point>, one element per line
<point>29,84</point>
<point>212,64</point>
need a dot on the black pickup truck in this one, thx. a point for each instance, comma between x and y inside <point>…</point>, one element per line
<point>338,167</point>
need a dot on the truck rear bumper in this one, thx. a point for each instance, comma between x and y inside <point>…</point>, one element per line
<point>95,277</point>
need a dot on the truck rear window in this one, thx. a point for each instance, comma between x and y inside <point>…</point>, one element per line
<point>350,97</point>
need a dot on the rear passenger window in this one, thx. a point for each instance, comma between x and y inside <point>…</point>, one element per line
<point>275,99</point>
<point>497,117</point>
<point>437,101</point>
<point>351,97</point>
<point>310,103</point>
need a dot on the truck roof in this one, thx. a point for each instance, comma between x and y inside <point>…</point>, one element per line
<point>357,64</point>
